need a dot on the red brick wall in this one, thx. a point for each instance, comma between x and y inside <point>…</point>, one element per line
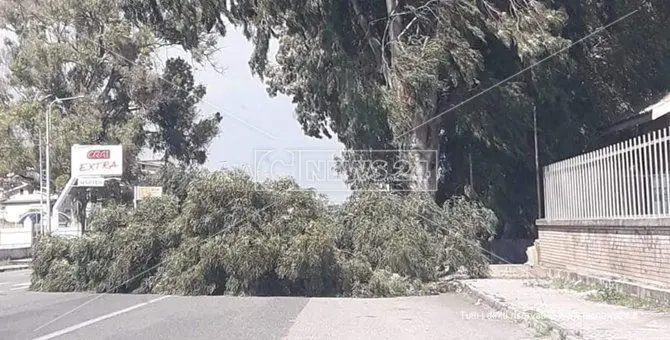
<point>637,253</point>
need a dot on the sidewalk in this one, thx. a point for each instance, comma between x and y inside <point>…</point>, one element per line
<point>16,265</point>
<point>566,314</point>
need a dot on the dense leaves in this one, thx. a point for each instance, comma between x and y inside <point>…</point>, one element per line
<point>60,49</point>
<point>371,72</point>
<point>380,75</point>
<point>237,236</point>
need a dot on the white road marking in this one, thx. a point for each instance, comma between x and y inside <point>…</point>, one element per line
<point>98,319</point>
<point>20,286</point>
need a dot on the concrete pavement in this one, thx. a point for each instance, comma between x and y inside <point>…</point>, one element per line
<point>11,267</point>
<point>12,282</point>
<point>567,310</point>
<point>16,265</point>
<point>223,317</point>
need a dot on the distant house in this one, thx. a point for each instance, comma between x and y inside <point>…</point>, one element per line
<point>12,184</point>
<point>16,206</point>
<point>652,118</point>
<point>150,167</point>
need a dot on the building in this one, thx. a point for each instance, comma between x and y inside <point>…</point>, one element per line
<point>607,211</point>
<point>652,118</point>
<point>17,196</point>
<point>150,167</point>
<point>17,205</point>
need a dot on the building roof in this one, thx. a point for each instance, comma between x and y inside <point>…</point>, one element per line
<point>151,166</point>
<point>659,109</point>
<point>26,198</point>
<point>11,184</point>
<point>648,114</point>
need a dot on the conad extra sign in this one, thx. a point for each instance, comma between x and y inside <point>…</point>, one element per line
<point>97,160</point>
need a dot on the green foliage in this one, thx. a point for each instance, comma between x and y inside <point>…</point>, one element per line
<point>46,250</point>
<point>70,48</point>
<point>355,72</point>
<point>412,236</point>
<point>109,219</point>
<point>386,283</point>
<point>370,78</point>
<point>237,236</point>
<point>171,109</point>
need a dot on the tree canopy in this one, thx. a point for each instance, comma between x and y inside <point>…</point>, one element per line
<point>71,48</point>
<point>401,74</point>
<point>389,75</point>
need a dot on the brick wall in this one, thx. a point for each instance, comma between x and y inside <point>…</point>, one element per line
<point>623,249</point>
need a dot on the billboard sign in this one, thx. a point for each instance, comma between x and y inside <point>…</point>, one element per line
<point>97,160</point>
<point>90,182</point>
<point>146,192</point>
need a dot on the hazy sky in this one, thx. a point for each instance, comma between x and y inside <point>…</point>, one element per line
<point>256,126</point>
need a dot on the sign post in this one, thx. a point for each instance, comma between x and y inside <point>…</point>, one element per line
<point>97,160</point>
<point>91,166</point>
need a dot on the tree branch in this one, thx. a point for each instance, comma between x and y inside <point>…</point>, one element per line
<point>374,43</point>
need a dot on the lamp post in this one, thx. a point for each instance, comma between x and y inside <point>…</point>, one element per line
<point>537,166</point>
<point>47,154</point>
<point>41,173</point>
<point>41,187</point>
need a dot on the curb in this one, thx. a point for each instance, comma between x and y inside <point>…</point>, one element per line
<point>640,289</point>
<point>530,318</point>
<point>14,267</point>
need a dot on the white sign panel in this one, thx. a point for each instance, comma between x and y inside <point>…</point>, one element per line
<point>146,192</point>
<point>97,160</point>
<point>91,182</point>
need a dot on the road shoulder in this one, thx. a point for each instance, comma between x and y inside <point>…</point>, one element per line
<point>11,267</point>
<point>564,313</point>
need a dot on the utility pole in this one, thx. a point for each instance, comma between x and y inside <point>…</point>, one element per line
<point>41,178</point>
<point>48,160</point>
<point>48,163</point>
<point>537,166</point>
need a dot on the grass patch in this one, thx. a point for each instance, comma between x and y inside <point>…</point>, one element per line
<point>612,296</point>
<point>602,293</point>
<point>540,324</point>
<point>578,286</point>
<point>560,284</point>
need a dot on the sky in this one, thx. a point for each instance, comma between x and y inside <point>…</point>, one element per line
<point>258,133</point>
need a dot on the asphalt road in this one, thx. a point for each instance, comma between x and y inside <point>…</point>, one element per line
<point>30,315</point>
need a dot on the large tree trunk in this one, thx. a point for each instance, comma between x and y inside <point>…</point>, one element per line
<point>425,142</point>
<point>372,41</point>
<point>394,29</point>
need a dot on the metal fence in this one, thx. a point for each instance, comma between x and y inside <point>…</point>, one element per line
<point>625,180</point>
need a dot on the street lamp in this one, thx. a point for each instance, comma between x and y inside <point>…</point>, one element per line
<point>41,173</point>
<point>48,160</point>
